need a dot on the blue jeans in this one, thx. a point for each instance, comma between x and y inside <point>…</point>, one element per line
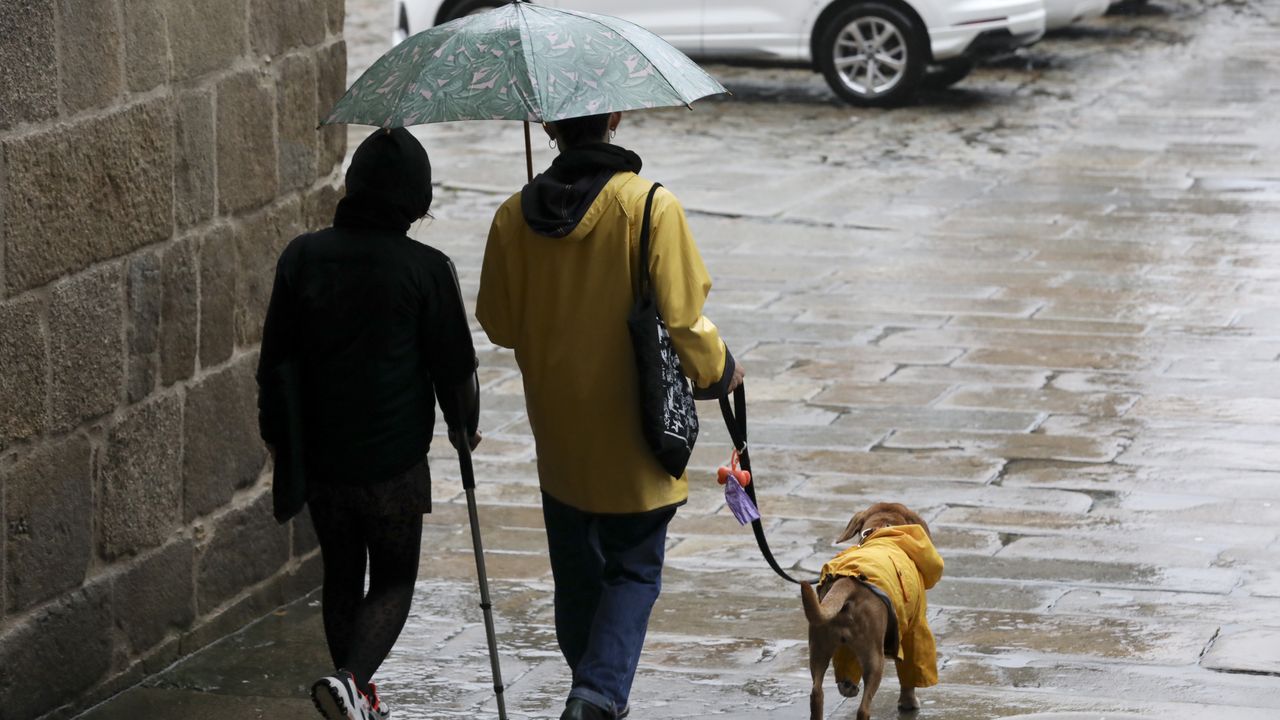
<point>608,573</point>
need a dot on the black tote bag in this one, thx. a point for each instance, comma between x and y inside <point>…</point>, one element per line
<point>667,413</point>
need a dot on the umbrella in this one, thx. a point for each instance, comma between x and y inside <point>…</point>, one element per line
<point>522,62</point>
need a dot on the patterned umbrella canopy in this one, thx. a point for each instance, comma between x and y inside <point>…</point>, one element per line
<point>522,62</point>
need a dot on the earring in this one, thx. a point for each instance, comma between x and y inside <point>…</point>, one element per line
<point>612,133</point>
<point>551,143</point>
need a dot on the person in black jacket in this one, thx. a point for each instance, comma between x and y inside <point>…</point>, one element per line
<point>373,325</point>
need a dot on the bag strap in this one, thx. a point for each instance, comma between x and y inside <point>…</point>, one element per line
<point>735,419</point>
<point>644,241</point>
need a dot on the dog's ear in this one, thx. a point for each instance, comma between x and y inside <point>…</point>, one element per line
<point>853,528</point>
<point>913,518</point>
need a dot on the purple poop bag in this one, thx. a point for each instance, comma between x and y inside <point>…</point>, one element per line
<point>740,503</point>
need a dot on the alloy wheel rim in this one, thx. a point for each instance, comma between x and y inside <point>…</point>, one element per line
<point>870,56</point>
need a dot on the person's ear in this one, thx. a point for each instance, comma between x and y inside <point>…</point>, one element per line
<point>546,128</point>
<point>614,119</point>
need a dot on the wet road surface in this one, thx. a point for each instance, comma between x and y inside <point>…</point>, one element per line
<point>1041,308</point>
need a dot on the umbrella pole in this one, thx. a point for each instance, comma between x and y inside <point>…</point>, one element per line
<point>469,484</point>
<point>528,152</point>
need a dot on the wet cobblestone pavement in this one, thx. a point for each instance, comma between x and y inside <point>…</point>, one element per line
<point>1042,308</point>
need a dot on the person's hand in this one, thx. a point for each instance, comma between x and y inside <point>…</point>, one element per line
<point>736,380</point>
<point>475,439</point>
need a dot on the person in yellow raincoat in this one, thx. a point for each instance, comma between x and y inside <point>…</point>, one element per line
<point>902,562</point>
<point>560,275</point>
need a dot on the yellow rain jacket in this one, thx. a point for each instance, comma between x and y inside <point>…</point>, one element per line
<point>562,304</point>
<point>901,561</point>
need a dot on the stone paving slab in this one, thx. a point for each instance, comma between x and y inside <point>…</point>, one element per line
<point>1244,649</point>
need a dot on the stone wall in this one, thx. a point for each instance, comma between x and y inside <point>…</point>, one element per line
<point>155,157</point>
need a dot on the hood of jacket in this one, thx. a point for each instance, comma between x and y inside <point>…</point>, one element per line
<point>915,542</point>
<point>388,183</point>
<point>874,555</point>
<point>556,203</point>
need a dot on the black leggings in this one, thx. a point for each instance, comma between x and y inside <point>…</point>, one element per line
<point>361,627</point>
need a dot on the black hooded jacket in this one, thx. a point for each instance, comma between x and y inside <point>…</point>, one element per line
<point>555,201</point>
<point>372,320</point>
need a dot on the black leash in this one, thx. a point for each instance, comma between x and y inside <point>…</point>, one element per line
<point>735,419</point>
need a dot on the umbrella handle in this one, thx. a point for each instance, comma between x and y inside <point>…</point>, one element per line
<point>528,152</point>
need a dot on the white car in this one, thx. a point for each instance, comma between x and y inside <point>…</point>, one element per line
<point>1061,13</point>
<point>872,52</point>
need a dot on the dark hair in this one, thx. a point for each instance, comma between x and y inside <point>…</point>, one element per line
<point>582,130</point>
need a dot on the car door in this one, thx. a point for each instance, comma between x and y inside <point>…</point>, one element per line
<point>765,29</point>
<point>679,22</point>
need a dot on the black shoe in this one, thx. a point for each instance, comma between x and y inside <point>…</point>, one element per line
<point>579,709</point>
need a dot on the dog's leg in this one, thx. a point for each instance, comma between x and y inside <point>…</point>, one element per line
<point>907,701</point>
<point>872,671</point>
<point>873,621</point>
<point>847,670</point>
<point>820,650</point>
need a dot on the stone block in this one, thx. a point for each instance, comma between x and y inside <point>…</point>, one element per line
<point>86,347</point>
<point>89,51</point>
<point>144,325</point>
<point>193,158</point>
<point>259,242</point>
<point>319,205</point>
<point>140,475</point>
<point>247,546</point>
<point>337,15</point>
<point>87,192</point>
<point>278,26</point>
<point>156,595</point>
<point>206,36</point>
<point>217,296</point>
<point>48,516</point>
<point>223,452</point>
<point>24,360</point>
<point>233,617</point>
<point>5,466</point>
<point>331,69</point>
<point>68,647</point>
<point>296,119</point>
<point>246,142</point>
<point>179,312</point>
<point>146,44</point>
<point>28,58</point>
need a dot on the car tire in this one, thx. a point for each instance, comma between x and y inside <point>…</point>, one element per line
<point>469,7</point>
<point>897,43</point>
<point>945,74</point>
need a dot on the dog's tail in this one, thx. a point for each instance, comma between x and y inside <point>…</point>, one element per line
<point>821,612</point>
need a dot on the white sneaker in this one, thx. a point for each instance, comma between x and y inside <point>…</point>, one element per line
<point>338,698</point>
<point>378,708</point>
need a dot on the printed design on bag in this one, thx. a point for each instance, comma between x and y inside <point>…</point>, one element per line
<point>679,416</point>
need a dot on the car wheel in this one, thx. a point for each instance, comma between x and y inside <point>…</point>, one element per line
<point>470,7</point>
<point>873,55</point>
<point>946,74</point>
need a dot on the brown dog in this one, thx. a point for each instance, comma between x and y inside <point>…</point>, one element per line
<point>870,604</point>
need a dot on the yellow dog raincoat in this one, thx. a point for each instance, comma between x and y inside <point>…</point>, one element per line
<point>902,562</point>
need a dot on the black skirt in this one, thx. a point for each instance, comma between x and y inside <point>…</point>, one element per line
<point>408,493</point>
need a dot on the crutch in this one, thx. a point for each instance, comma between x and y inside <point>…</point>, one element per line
<point>469,485</point>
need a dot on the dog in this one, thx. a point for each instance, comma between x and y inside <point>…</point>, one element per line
<point>870,604</point>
